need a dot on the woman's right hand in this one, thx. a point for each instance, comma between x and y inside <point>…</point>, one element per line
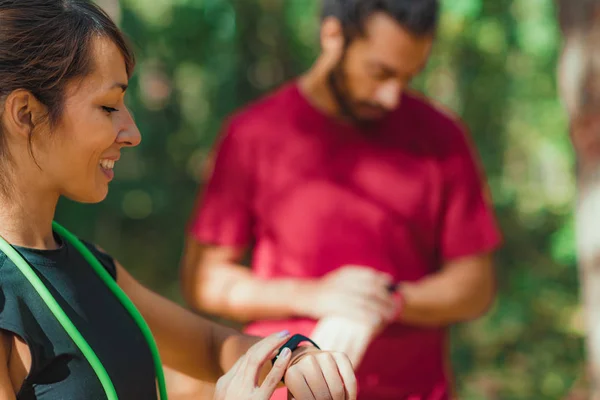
<point>241,382</point>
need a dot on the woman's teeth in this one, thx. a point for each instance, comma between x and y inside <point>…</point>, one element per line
<point>107,164</point>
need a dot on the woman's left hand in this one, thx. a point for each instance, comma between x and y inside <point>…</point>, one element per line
<point>320,375</point>
<point>345,335</point>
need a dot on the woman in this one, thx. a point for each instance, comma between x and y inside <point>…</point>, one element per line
<point>64,68</point>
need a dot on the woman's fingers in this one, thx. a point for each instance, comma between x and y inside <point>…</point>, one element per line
<point>322,376</point>
<point>241,381</point>
<point>298,387</point>
<point>332,377</point>
<point>262,352</point>
<point>275,375</point>
<point>346,372</point>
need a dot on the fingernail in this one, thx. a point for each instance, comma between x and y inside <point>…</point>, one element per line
<point>284,353</point>
<point>283,334</point>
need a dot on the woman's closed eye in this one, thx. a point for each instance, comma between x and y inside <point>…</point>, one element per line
<point>109,109</point>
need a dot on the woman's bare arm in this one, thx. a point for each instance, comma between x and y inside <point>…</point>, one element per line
<point>7,391</point>
<point>187,342</point>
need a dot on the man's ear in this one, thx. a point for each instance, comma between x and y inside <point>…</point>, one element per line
<point>332,39</point>
<point>22,113</point>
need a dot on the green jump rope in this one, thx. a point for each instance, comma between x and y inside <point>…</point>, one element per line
<point>68,325</point>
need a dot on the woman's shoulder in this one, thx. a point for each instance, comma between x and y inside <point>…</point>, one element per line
<point>107,261</point>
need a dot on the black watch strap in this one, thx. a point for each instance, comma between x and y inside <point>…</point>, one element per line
<point>293,344</point>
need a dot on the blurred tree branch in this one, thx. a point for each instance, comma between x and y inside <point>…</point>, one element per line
<point>579,82</point>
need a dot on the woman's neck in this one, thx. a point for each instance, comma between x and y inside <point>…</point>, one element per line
<point>26,219</point>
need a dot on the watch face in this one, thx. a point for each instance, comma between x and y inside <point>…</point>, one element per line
<point>393,287</point>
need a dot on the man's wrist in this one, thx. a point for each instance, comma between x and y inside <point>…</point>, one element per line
<point>399,300</point>
<point>300,296</point>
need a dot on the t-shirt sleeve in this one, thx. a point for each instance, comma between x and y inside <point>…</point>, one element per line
<point>12,313</point>
<point>468,222</point>
<point>223,213</point>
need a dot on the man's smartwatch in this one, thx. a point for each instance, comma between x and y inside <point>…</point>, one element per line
<point>395,290</point>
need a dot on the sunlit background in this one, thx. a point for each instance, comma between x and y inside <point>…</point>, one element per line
<point>494,64</point>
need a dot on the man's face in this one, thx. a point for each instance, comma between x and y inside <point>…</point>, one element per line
<point>377,67</point>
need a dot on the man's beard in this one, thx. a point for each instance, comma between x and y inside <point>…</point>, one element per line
<point>339,90</point>
<point>338,86</point>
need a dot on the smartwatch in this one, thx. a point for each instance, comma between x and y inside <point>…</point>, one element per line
<point>293,344</point>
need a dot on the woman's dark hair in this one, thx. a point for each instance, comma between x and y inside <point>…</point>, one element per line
<point>418,17</point>
<point>45,44</point>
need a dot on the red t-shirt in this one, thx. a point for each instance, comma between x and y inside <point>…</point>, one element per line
<point>312,194</point>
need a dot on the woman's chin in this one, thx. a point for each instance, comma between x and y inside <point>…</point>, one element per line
<point>88,197</point>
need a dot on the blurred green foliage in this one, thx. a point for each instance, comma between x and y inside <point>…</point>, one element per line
<point>494,64</point>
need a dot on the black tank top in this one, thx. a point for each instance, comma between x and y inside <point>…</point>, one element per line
<point>59,371</point>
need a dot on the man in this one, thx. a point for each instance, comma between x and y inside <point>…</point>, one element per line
<point>349,186</point>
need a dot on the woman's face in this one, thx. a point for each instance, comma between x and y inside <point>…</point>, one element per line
<point>78,156</point>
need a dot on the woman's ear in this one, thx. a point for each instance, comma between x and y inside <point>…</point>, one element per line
<point>22,113</point>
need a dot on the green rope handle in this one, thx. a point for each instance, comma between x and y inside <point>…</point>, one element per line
<point>61,316</point>
<point>127,303</point>
<point>68,325</point>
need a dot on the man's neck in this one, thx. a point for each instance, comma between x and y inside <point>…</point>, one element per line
<point>315,87</point>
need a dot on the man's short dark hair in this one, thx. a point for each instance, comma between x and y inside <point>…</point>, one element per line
<point>418,17</point>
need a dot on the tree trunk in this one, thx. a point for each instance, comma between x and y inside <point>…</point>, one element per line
<point>579,82</point>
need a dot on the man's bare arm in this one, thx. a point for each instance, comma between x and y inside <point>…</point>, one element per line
<point>463,290</point>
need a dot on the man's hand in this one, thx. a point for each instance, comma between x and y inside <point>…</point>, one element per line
<point>354,292</point>
<point>320,375</point>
